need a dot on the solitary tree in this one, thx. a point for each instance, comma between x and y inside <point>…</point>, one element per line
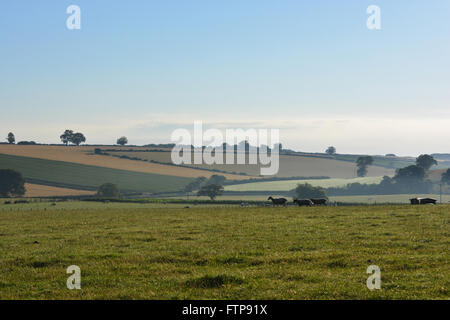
<point>446,177</point>
<point>12,183</point>
<point>362,163</point>
<point>66,137</point>
<point>11,138</point>
<point>426,161</point>
<point>211,191</point>
<point>108,190</point>
<point>331,151</point>
<point>122,141</point>
<point>78,138</point>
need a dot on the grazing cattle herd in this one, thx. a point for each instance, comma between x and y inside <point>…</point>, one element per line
<point>415,201</point>
<point>324,202</point>
<point>299,202</point>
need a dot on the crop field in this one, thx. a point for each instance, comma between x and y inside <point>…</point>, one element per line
<point>290,166</point>
<point>86,156</point>
<point>286,185</point>
<point>75,176</point>
<point>35,190</point>
<point>131,251</point>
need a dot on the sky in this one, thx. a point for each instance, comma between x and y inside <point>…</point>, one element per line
<point>311,69</point>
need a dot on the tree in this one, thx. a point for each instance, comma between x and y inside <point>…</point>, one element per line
<point>108,190</point>
<point>122,141</point>
<point>410,175</point>
<point>446,177</point>
<point>308,191</point>
<point>66,137</point>
<point>211,191</point>
<point>12,183</point>
<point>331,151</point>
<point>194,185</point>
<point>426,161</point>
<point>11,138</point>
<point>217,179</point>
<point>362,163</point>
<point>78,138</point>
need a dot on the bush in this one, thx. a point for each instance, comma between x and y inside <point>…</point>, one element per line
<point>26,143</point>
<point>108,190</point>
<point>12,183</point>
<point>307,191</point>
<point>211,190</point>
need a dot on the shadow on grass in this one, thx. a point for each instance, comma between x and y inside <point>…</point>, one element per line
<point>208,282</point>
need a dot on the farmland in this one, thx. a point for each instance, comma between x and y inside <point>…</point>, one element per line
<point>85,156</point>
<point>36,190</point>
<point>79,176</point>
<point>131,251</point>
<point>286,185</point>
<point>290,166</point>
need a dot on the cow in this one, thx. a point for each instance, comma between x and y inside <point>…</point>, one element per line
<point>415,201</point>
<point>319,202</point>
<point>303,202</point>
<point>278,202</point>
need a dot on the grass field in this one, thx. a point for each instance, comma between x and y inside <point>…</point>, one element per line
<point>78,175</point>
<point>286,185</point>
<point>290,166</point>
<point>130,251</point>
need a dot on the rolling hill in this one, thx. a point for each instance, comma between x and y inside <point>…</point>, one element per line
<point>80,176</point>
<point>290,165</point>
<point>85,155</point>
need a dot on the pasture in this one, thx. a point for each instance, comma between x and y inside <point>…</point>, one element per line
<point>286,185</point>
<point>157,251</point>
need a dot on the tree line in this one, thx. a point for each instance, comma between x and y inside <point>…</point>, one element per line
<point>67,137</point>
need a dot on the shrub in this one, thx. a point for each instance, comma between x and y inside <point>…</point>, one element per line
<point>307,191</point>
<point>108,190</point>
<point>12,183</point>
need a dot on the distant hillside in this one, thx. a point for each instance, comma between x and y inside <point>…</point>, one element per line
<point>79,176</point>
<point>290,165</point>
<point>441,156</point>
<point>85,155</point>
<point>436,175</point>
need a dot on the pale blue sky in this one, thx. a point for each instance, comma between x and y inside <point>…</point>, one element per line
<point>310,68</point>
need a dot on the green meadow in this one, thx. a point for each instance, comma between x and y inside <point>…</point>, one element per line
<point>166,251</point>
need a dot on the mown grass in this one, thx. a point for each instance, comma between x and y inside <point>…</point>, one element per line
<point>67,174</point>
<point>225,252</point>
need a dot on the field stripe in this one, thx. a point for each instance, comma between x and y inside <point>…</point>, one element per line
<point>90,176</point>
